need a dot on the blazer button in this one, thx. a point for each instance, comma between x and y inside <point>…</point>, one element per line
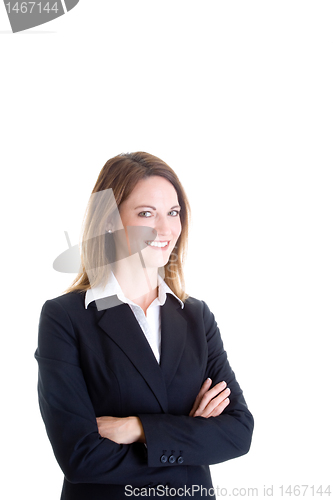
<point>163,459</point>
<point>180,460</point>
<point>172,459</point>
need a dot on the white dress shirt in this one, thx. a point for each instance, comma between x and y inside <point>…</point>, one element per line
<point>150,323</point>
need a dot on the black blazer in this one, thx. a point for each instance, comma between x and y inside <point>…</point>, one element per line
<point>98,362</point>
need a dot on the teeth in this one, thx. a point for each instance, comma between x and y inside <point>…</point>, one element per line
<point>159,244</point>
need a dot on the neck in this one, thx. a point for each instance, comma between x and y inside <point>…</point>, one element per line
<point>138,283</point>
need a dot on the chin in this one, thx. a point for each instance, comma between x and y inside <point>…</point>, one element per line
<point>155,261</point>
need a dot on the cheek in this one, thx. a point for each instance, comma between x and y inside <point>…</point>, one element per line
<point>177,228</point>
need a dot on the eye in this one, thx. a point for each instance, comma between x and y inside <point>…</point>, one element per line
<point>174,213</point>
<point>146,213</point>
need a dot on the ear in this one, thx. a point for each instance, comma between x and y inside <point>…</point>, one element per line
<point>109,226</point>
<point>113,222</point>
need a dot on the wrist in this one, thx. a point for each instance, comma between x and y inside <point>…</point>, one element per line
<point>137,428</point>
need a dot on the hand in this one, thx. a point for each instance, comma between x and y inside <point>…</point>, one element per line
<point>211,402</point>
<point>125,430</point>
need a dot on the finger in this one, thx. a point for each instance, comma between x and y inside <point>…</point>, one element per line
<point>204,388</point>
<point>214,403</point>
<point>204,398</point>
<point>209,395</point>
<point>219,408</point>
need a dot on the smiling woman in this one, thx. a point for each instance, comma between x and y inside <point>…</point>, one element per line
<point>135,388</point>
<point>145,192</point>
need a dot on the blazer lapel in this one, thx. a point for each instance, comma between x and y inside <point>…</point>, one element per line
<point>174,332</point>
<point>120,325</point>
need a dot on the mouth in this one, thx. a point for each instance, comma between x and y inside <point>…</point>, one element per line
<point>158,244</point>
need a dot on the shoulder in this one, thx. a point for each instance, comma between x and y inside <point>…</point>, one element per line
<point>60,320</point>
<point>196,304</point>
<point>69,302</point>
<point>199,308</point>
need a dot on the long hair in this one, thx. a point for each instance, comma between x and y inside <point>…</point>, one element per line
<point>121,174</point>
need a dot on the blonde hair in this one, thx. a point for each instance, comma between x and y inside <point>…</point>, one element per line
<point>121,174</point>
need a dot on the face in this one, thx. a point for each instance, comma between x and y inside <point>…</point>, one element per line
<point>151,219</point>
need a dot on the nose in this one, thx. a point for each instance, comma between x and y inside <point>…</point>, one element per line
<point>162,226</point>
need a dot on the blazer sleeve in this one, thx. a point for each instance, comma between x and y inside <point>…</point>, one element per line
<point>198,440</point>
<point>69,417</point>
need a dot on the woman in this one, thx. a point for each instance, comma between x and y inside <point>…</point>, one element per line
<point>134,386</point>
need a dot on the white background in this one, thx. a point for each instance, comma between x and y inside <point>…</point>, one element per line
<point>237,98</point>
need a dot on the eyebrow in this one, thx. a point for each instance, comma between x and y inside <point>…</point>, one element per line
<point>154,208</point>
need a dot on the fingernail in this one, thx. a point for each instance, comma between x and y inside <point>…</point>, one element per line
<point>208,379</point>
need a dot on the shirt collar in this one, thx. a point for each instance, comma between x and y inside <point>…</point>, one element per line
<point>113,288</point>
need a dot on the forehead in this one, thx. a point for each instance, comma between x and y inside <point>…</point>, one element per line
<point>154,188</point>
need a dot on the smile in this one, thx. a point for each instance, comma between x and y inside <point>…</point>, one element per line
<point>158,244</point>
